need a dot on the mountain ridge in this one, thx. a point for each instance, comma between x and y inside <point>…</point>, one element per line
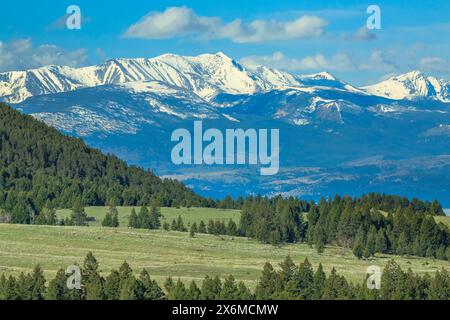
<point>207,75</point>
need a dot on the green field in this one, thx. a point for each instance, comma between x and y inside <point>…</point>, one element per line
<point>172,253</point>
<point>189,215</point>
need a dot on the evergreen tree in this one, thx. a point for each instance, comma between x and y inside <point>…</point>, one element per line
<point>230,290</point>
<point>91,279</point>
<point>381,244</point>
<point>78,217</point>
<point>133,220</point>
<point>319,237</point>
<point>148,289</point>
<point>267,284</point>
<point>231,228</point>
<point>211,288</point>
<point>192,231</point>
<point>57,288</point>
<point>112,286</point>
<point>202,227</point>
<point>144,218</point>
<point>155,216</point>
<point>180,225</point>
<point>358,246</point>
<point>107,220</point>
<point>178,292</point>
<point>38,290</point>
<point>193,292</point>
<point>319,283</point>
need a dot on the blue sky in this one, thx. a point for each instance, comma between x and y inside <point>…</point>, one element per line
<point>298,36</point>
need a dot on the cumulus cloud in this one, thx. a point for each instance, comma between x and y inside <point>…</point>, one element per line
<point>337,62</point>
<point>182,21</point>
<point>21,54</point>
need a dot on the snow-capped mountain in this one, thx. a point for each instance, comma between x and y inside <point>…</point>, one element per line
<point>412,85</point>
<point>391,137</point>
<point>205,75</point>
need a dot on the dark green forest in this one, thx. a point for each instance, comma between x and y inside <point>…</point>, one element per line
<point>40,167</point>
<point>368,224</point>
<point>287,281</point>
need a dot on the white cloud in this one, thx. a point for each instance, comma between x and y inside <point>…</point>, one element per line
<point>434,64</point>
<point>380,61</point>
<point>364,34</point>
<point>21,54</point>
<point>182,21</point>
<point>338,62</point>
<point>173,22</point>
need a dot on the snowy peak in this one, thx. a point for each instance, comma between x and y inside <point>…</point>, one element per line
<point>320,76</point>
<point>411,85</point>
<point>206,75</point>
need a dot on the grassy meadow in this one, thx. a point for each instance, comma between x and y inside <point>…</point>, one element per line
<point>173,254</point>
<point>189,215</point>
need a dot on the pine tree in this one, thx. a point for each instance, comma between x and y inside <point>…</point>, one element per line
<point>148,289</point>
<point>91,279</point>
<point>112,286</point>
<point>174,226</point>
<point>115,220</point>
<point>38,284</point>
<point>211,288</point>
<point>371,242</point>
<point>144,218</point>
<point>440,286</point>
<point>202,227</point>
<point>180,224</point>
<point>155,216</point>
<point>192,231</point>
<point>79,217</point>
<point>304,281</point>
<point>133,220</point>
<point>57,288</point>
<point>229,289</point>
<point>359,245</point>
<point>243,292</point>
<point>107,220</point>
<point>319,283</point>
<point>127,283</point>
<point>178,292</point>
<point>193,292</point>
<point>267,284</point>
<point>168,284</point>
<point>381,244</point>
<point>319,237</point>
<point>231,228</point>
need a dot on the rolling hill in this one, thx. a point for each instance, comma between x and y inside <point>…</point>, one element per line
<point>40,166</point>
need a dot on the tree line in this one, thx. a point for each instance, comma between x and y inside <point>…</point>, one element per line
<point>286,282</point>
<point>360,224</point>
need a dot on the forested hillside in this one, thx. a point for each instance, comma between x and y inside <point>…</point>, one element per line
<point>41,167</point>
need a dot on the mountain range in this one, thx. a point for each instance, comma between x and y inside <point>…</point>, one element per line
<point>392,137</point>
